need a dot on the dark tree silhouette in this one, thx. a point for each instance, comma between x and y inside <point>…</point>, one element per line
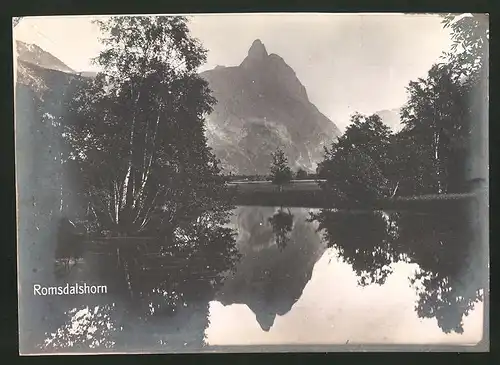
<point>434,141</point>
<point>357,164</point>
<point>443,129</point>
<point>470,36</point>
<point>282,224</point>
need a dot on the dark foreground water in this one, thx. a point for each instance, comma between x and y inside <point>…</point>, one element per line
<point>312,277</point>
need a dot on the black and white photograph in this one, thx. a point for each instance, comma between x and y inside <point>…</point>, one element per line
<point>252,182</point>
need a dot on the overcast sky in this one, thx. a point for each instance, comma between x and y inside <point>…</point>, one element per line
<point>347,62</point>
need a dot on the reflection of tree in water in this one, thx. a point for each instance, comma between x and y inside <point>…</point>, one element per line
<point>168,282</point>
<point>191,270</point>
<point>363,240</point>
<point>282,224</point>
<point>449,277</point>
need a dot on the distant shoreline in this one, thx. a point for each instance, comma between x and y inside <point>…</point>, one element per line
<point>308,194</point>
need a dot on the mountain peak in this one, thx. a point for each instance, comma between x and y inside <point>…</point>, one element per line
<point>257,50</point>
<point>256,53</point>
<point>262,105</point>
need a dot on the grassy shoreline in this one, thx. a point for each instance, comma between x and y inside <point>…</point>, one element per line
<point>308,194</point>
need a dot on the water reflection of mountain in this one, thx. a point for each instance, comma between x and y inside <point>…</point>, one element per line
<point>269,280</point>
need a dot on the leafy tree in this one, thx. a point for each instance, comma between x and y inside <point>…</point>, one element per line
<point>137,140</point>
<point>138,133</point>
<point>280,171</point>
<point>357,164</point>
<point>411,166</point>
<point>436,131</point>
<point>443,114</point>
<point>470,61</point>
<point>470,36</point>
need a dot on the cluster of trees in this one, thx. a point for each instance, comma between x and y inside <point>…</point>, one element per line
<point>430,154</point>
<point>138,160</point>
<point>300,174</point>
<point>137,133</point>
<point>434,153</point>
<point>280,172</point>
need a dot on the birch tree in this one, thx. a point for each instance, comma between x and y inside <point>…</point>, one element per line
<point>438,116</point>
<point>138,132</point>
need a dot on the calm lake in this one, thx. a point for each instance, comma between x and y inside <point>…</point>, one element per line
<point>310,294</point>
<point>311,277</point>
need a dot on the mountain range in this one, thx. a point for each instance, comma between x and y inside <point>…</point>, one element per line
<point>261,105</point>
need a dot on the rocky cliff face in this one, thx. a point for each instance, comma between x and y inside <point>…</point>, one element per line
<point>263,105</point>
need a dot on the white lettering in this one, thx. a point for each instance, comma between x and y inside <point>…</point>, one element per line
<point>69,289</point>
<point>36,289</point>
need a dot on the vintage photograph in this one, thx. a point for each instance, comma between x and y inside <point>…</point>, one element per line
<point>252,182</point>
